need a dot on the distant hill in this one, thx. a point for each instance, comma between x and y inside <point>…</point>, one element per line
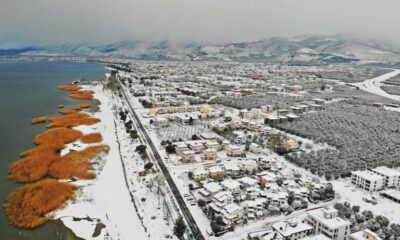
<point>299,50</point>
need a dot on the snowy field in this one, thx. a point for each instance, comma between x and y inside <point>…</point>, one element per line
<point>349,193</point>
<point>176,131</point>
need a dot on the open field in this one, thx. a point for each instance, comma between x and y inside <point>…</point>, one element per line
<point>354,75</point>
<point>393,81</point>
<point>391,89</point>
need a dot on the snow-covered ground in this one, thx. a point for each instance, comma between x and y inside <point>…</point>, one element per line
<point>105,198</point>
<point>374,85</point>
<point>349,193</point>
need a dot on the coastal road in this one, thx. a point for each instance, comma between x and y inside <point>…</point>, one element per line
<point>185,210</point>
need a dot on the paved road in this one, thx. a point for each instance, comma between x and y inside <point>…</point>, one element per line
<point>374,85</point>
<point>187,214</point>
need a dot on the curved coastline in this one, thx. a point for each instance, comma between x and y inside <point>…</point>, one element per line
<point>43,166</point>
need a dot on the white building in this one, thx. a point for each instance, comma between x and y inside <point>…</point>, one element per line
<point>367,180</point>
<point>292,229</point>
<point>212,188</point>
<point>247,182</point>
<point>199,174</point>
<point>232,213</point>
<point>254,209</point>
<point>366,234</point>
<point>161,121</point>
<point>327,222</point>
<point>223,198</point>
<point>189,119</point>
<point>392,177</point>
<point>231,185</point>
<point>248,165</point>
<point>233,150</point>
<point>255,148</point>
<point>231,169</point>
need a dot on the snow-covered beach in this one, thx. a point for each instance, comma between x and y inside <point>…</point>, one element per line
<point>105,198</point>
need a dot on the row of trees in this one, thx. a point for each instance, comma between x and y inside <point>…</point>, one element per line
<point>257,100</point>
<point>128,124</point>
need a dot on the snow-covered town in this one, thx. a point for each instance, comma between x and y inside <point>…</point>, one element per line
<point>200,120</point>
<point>226,154</point>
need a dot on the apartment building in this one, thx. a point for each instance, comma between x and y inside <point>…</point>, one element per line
<point>367,180</point>
<point>327,221</point>
<point>391,176</point>
<point>233,150</point>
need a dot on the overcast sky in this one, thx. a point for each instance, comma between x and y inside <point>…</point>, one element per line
<point>28,22</point>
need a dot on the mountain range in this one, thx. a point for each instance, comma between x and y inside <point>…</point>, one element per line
<point>338,48</point>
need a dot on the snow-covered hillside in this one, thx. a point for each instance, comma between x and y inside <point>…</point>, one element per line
<point>299,50</point>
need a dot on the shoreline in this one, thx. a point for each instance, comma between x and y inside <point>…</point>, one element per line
<point>105,198</point>
<point>46,170</point>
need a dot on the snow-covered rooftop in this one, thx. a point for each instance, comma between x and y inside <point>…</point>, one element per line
<point>386,171</point>
<point>368,175</point>
<point>290,227</point>
<point>333,223</point>
<point>212,187</point>
<point>230,184</point>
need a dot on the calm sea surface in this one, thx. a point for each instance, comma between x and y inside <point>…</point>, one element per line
<point>28,90</point>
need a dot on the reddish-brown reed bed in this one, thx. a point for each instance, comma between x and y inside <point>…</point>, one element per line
<point>39,120</point>
<point>92,138</point>
<point>76,163</point>
<point>35,162</point>
<point>63,135</point>
<point>82,106</point>
<point>72,120</point>
<point>29,205</point>
<point>83,95</point>
<point>69,87</point>
<point>67,111</point>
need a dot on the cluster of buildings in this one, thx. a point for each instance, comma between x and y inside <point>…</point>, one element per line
<point>319,224</point>
<point>376,179</point>
<point>291,114</point>
<point>206,149</point>
<point>251,189</point>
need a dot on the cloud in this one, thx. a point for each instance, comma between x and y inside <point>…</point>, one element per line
<point>101,21</point>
